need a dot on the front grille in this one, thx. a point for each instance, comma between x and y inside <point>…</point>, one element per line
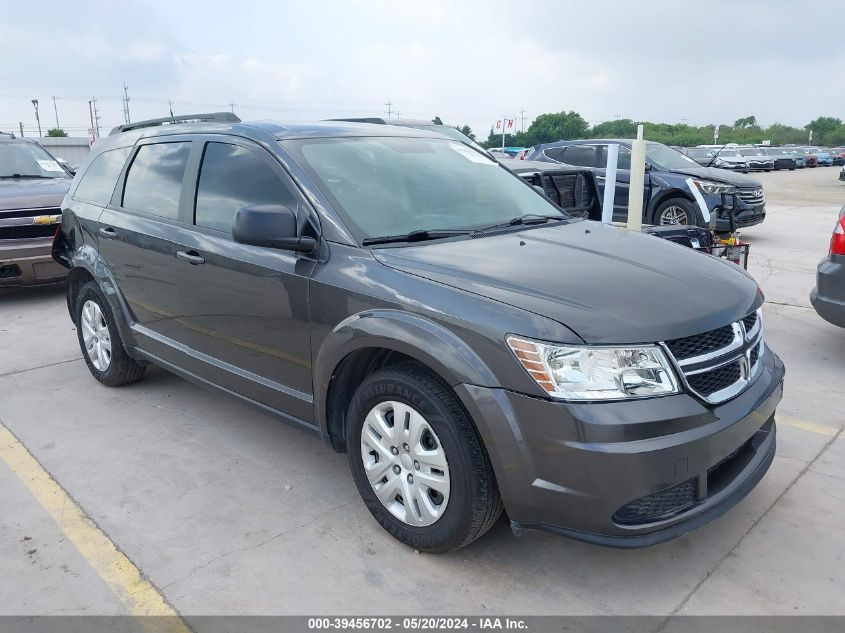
<point>27,231</point>
<point>750,321</point>
<point>700,344</point>
<point>722,361</point>
<point>708,383</point>
<point>755,354</point>
<point>30,213</point>
<point>751,195</point>
<point>17,225</point>
<point>659,506</point>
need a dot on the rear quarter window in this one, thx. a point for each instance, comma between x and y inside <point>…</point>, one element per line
<point>98,181</point>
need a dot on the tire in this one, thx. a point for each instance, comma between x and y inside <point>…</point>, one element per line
<point>462,509</point>
<point>115,368</point>
<point>681,205</point>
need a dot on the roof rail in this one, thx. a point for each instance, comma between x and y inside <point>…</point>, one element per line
<point>222,117</point>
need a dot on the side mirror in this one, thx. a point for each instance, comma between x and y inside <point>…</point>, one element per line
<point>272,226</point>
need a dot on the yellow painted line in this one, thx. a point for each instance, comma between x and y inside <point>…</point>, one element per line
<point>812,427</point>
<point>118,572</point>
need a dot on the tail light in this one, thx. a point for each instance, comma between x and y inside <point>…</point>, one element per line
<point>837,242</point>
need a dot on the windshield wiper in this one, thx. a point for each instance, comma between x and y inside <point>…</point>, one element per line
<point>415,236</point>
<point>528,218</point>
<point>26,176</point>
<point>716,155</point>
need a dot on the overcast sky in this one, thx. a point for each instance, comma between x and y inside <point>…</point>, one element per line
<point>466,61</point>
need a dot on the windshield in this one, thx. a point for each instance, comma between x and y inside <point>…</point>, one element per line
<point>392,186</point>
<point>700,153</point>
<point>667,158</point>
<point>747,151</point>
<point>451,132</point>
<point>28,159</point>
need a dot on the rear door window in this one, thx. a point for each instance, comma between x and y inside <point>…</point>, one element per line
<point>580,155</point>
<point>232,177</point>
<point>154,180</point>
<point>98,181</point>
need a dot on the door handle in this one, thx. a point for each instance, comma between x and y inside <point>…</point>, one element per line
<point>192,257</point>
<point>108,233</point>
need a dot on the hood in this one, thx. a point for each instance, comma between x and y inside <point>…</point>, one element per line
<point>32,194</point>
<point>719,175</point>
<point>607,284</point>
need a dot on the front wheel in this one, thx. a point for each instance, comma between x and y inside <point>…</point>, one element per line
<point>677,211</point>
<point>418,461</point>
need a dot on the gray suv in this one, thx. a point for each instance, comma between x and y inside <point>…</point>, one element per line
<point>32,185</point>
<point>470,345</point>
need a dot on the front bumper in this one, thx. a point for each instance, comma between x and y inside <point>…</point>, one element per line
<point>828,297</point>
<point>26,262</point>
<point>575,469</point>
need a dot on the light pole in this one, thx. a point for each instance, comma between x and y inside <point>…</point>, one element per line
<point>37,118</point>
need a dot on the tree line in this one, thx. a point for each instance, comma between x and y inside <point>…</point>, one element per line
<point>563,126</point>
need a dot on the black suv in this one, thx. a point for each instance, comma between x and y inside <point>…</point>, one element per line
<point>677,189</point>
<point>469,344</point>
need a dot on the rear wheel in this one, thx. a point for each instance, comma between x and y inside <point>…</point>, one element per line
<point>100,340</point>
<point>418,461</point>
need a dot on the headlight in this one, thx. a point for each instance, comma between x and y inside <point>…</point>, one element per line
<point>596,373</point>
<point>713,188</point>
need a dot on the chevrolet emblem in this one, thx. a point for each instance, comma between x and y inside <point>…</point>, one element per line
<point>45,219</point>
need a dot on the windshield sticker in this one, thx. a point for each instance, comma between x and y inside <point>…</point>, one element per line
<point>49,165</point>
<point>471,154</point>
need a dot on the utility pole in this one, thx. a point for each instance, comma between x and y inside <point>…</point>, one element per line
<point>522,117</point>
<point>170,104</point>
<point>389,109</point>
<point>38,119</point>
<point>232,107</point>
<point>96,116</point>
<point>20,125</point>
<point>56,110</point>
<point>126,118</point>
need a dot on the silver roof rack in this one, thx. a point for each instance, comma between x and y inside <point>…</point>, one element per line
<point>220,117</point>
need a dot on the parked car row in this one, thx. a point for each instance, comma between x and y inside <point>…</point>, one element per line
<point>677,189</point>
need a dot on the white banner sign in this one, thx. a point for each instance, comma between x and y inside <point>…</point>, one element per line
<point>505,126</point>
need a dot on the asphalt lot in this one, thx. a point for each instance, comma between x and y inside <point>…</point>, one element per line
<point>225,510</point>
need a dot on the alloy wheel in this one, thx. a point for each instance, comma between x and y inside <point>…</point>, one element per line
<point>405,463</point>
<point>673,215</point>
<point>95,335</point>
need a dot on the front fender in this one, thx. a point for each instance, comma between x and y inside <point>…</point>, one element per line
<point>410,334</point>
